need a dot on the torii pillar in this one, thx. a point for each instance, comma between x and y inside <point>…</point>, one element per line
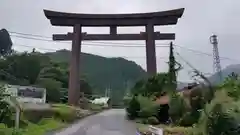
<point>150,50</point>
<point>74,65</point>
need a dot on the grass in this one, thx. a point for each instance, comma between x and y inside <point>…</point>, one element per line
<point>42,127</point>
<point>95,107</point>
<point>62,108</point>
<point>48,124</point>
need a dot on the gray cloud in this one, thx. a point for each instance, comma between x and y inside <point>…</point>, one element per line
<point>200,20</point>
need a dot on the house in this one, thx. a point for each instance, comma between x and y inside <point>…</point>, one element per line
<point>27,94</point>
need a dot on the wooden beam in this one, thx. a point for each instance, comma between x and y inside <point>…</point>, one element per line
<point>112,22</point>
<point>142,36</point>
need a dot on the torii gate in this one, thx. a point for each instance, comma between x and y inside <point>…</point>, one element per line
<point>77,21</point>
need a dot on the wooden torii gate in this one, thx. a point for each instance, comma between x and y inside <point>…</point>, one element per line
<point>77,21</point>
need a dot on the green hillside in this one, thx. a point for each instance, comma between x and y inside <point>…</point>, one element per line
<point>102,72</point>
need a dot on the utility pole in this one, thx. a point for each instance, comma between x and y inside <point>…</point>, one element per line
<point>108,91</point>
<point>216,59</point>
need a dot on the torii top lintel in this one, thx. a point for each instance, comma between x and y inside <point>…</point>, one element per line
<point>169,17</point>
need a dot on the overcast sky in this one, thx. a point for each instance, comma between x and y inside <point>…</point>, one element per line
<point>201,19</point>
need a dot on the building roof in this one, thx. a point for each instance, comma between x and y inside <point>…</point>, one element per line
<point>136,19</point>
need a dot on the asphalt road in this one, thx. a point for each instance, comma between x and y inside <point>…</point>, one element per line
<point>111,122</point>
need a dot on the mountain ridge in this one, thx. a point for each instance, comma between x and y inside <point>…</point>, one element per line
<point>103,72</point>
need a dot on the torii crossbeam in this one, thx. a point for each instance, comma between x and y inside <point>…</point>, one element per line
<point>77,21</point>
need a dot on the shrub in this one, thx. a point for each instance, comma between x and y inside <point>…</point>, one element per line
<point>66,117</point>
<point>65,113</point>
<point>126,100</point>
<point>35,116</point>
<point>61,112</point>
<point>144,121</point>
<point>152,120</point>
<point>188,119</point>
<point>148,107</point>
<point>177,108</point>
<point>53,89</point>
<point>95,107</point>
<point>5,109</point>
<point>219,117</point>
<point>133,108</point>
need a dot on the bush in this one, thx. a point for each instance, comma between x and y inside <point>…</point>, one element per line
<point>35,116</point>
<point>61,112</point>
<point>65,113</point>
<point>133,108</point>
<point>188,119</point>
<point>126,100</point>
<point>95,107</point>
<point>5,109</point>
<point>144,121</point>
<point>220,117</point>
<point>152,120</point>
<point>41,128</point>
<point>148,107</point>
<point>177,108</point>
<point>53,89</point>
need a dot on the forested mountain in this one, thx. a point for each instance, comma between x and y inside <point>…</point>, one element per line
<point>225,72</point>
<point>102,72</point>
<point>50,70</point>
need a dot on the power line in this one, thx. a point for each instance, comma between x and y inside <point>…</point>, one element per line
<point>101,42</point>
<point>203,53</point>
<point>189,64</point>
<point>108,44</point>
<point>28,46</point>
<point>26,34</point>
<point>47,49</point>
<point>105,44</point>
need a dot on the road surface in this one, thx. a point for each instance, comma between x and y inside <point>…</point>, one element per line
<point>110,122</point>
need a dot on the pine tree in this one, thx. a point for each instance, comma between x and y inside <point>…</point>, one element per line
<point>172,71</point>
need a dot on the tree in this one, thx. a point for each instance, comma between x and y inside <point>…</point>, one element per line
<point>232,86</point>
<point>56,72</point>
<point>221,117</point>
<point>154,86</point>
<point>53,89</point>
<point>172,71</point>
<point>25,66</point>
<point>5,43</point>
<point>177,108</point>
<point>85,88</point>
<point>133,108</point>
<point>5,111</point>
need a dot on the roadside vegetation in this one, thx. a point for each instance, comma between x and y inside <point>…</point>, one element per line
<point>205,110</point>
<point>39,122</point>
<point>38,70</point>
